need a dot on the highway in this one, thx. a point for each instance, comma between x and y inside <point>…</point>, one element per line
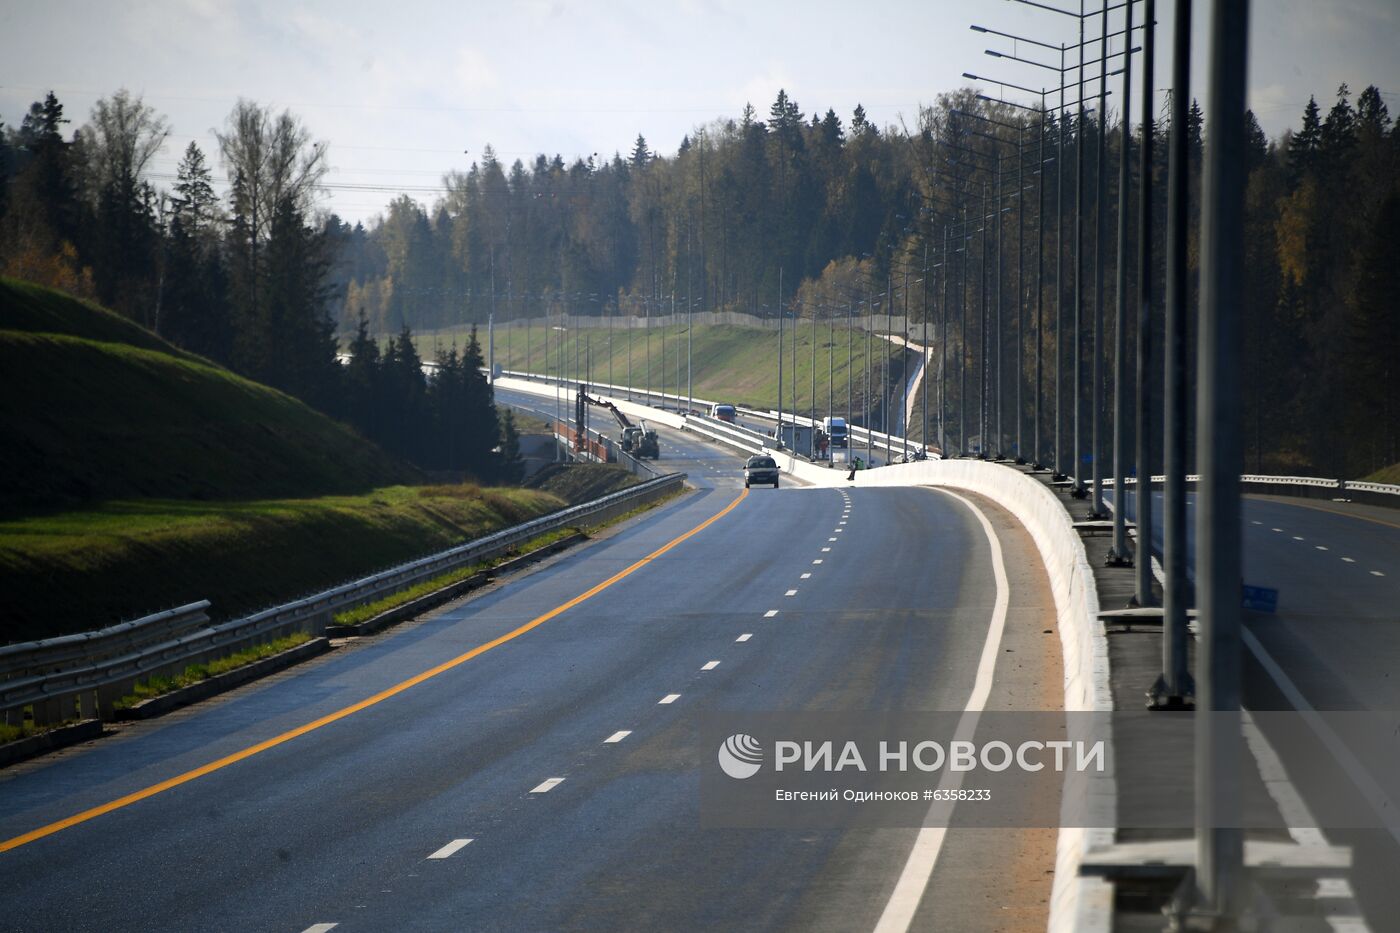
<point>526,758</point>
<point>1333,644</point>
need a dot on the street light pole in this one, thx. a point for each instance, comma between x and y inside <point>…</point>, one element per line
<point>943,351</point>
<point>923,353</point>
<point>1118,552</point>
<point>1143,432</point>
<point>1219,839</point>
<point>779,437</point>
<point>1078,452</point>
<point>1020,291</point>
<point>982,440</point>
<point>1096,509</point>
<point>1039,291</point>
<point>1174,685</point>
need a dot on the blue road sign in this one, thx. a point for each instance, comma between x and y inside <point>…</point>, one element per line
<point>1260,599</point>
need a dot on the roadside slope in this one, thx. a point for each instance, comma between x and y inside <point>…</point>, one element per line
<point>94,408</point>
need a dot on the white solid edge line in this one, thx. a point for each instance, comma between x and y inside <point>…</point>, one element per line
<point>546,786</point>
<point>918,868</point>
<point>451,848</point>
<point>1383,806</point>
<point>668,698</point>
<point>745,637</point>
<point>617,736</point>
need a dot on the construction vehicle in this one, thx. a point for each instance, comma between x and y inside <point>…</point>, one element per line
<point>639,439</point>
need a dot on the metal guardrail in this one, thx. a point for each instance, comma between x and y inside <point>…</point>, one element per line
<point>1340,486</point>
<point>1373,492</point>
<point>83,675</point>
<point>725,433</point>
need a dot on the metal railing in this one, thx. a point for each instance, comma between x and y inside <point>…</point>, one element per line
<point>83,675</point>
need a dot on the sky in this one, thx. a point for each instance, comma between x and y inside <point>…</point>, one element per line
<point>405,91</point>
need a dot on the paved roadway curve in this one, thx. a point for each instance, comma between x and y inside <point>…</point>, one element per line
<point>337,825</point>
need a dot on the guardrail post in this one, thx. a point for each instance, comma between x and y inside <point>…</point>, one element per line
<point>87,704</point>
<point>107,697</point>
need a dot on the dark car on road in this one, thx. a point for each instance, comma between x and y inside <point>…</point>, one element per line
<point>760,470</point>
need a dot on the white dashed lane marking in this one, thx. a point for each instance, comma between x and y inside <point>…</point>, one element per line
<point>790,593</point>
<point>451,848</point>
<point>770,613</point>
<point>321,928</point>
<point>546,786</point>
<point>668,698</point>
<point>1377,573</point>
<point>1349,560</point>
<point>826,550</point>
<point>1319,547</point>
<point>817,561</point>
<point>831,539</point>
<point>745,637</point>
<point>617,736</point>
<point>806,576</point>
<point>710,665</point>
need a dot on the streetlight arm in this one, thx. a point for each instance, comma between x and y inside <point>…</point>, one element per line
<point>1007,35</point>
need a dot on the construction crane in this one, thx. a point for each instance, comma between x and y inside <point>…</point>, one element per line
<point>639,439</point>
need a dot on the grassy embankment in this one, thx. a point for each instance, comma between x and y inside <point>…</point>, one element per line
<point>737,364</point>
<point>141,477</point>
<point>1390,474</point>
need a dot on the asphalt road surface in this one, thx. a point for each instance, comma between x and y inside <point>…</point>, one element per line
<point>527,758</point>
<point>1332,645</point>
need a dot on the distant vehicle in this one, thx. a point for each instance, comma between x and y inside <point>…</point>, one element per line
<point>760,470</point>
<point>835,429</point>
<point>726,413</point>
<point>640,441</point>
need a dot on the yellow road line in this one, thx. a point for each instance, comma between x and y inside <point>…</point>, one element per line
<point>350,710</point>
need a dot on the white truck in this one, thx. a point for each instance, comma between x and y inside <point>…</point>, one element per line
<point>835,430</point>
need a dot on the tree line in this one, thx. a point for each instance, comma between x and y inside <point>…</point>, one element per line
<point>814,215</point>
<point>246,280</point>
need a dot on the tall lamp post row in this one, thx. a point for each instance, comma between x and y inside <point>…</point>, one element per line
<point>1218,892</point>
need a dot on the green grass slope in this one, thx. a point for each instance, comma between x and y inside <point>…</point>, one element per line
<point>94,408</point>
<point>80,570</point>
<point>736,364</point>
<point>1390,474</point>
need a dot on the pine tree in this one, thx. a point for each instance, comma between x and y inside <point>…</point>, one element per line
<point>195,201</point>
<point>1339,133</point>
<point>640,154</point>
<point>1304,145</point>
<point>510,469</point>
